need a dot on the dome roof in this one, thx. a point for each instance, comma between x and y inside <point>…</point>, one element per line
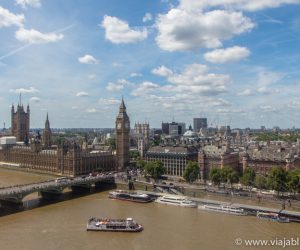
<point>190,133</point>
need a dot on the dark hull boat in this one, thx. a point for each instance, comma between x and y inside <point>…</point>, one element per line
<point>113,225</point>
<point>128,196</point>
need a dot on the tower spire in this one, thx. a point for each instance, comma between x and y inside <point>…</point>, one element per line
<point>122,106</point>
<point>20,99</point>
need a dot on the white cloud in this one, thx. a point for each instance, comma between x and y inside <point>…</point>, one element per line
<point>35,99</point>
<point>91,110</point>
<point>294,104</point>
<point>246,92</point>
<point>118,31</point>
<point>229,111</point>
<point>8,19</point>
<point>32,3</point>
<point>266,77</point>
<point>119,85</point>
<point>162,71</point>
<point>88,59</point>
<point>195,78</point>
<point>113,87</point>
<point>115,64</point>
<point>144,89</point>
<point>248,5</point>
<point>92,76</point>
<point>34,36</point>
<point>267,108</point>
<point>218,102</point>
<point>147,17</point>
<point>135,74</point>
<point>264,90</point>
<point>30,90</point>
<point>123,82</point>
<point>228,55</point>
<point>74,107</point>
<point>181,30</point>
<point>82,94</point>
<point>108,101</point>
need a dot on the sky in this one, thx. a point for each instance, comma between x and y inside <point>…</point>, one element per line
<point>235,62</point>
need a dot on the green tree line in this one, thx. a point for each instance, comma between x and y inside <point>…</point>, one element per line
<point>277,179</point>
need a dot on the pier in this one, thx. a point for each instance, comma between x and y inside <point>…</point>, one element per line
<point>251,209</point>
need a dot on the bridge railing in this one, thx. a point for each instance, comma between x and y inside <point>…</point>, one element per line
<point>44,185</point>
<point>25,184</point>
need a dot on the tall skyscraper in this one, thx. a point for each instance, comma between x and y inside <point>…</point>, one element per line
<point>20,121</point>
<point>165,128</point>
<point>47,134</point>
<point>199,123</point>
<point>173,128</point>
<point>122,137</point>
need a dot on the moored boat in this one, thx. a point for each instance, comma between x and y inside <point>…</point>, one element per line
<point>116,225</point>
<point>130,196</point>
<point>272,217</point>
<point>176,201</point>
<point>228,209</point>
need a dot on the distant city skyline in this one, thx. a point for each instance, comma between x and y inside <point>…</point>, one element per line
<point>236,64</point>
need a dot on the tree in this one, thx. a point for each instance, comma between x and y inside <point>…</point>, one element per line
<point>191,171</point>
<point>141,164</point>
<point>277,179</point>
<point>134,154</point>
<point>215,176</point>
<point>228,175</point>
<point>225,172</point>
<point>233,177</point>
<point>248,177</point>
<point>260,181</point>
<point>293,181</point>
<point>112,143</point>
<point>155,169</point>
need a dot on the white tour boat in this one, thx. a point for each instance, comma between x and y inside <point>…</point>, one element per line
<point>228,209</point>
<point>176,201</point>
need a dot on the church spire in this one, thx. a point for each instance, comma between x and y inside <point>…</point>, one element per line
<point>47,123</point>
<point>47,134</point>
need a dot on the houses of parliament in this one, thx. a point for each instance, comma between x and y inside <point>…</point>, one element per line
<point>68,158</point>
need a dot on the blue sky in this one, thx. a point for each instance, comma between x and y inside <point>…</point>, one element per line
<point>233,61</point>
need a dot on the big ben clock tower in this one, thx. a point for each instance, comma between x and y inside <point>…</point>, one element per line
<point>122,137</point>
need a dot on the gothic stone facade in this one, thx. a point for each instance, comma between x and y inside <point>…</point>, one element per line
<point>65,160</point>
<point>47,134</point>
<point>122,138</point>
<point>20,122</point>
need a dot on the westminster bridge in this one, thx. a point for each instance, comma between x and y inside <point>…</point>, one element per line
<point>52,188</point>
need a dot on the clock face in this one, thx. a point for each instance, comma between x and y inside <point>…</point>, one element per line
<point>119,125</point>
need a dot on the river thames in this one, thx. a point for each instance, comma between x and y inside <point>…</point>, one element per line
<point>62,225</point>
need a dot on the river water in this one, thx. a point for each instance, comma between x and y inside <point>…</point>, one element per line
<point>62,225</point>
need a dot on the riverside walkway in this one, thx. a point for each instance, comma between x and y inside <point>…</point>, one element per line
<point>251,209</point>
